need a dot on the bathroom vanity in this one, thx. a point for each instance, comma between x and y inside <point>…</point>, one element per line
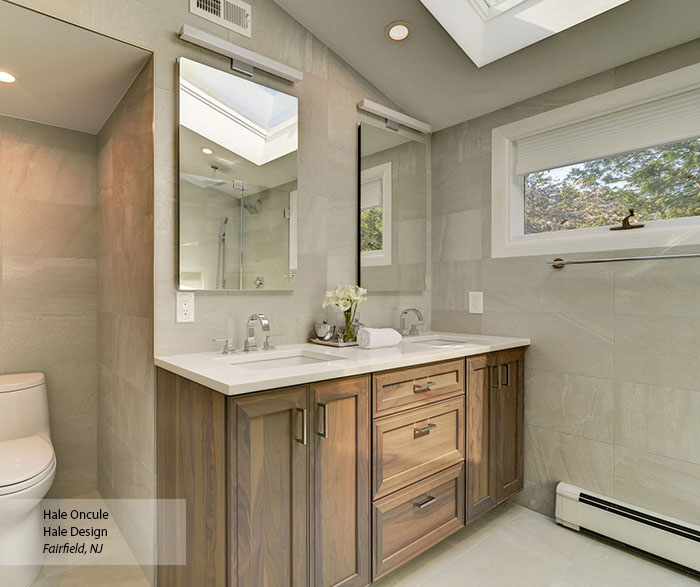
<point>303,466</point>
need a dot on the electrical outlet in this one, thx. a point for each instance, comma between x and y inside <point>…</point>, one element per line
<point>185,306</point>
<point>476,302</point>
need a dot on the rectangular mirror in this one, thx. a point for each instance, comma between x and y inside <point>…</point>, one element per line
<point>393,205</point>
<point>237,182</point>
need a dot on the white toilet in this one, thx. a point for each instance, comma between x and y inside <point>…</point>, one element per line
<point>27,470</point>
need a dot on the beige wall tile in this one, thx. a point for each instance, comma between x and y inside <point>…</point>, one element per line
<point>47,163</point>
<point>48,285</point>
<point>580,344</point>
<point>33,342</point>
<point>659,484</point>
<point>667,287</point>
<point>658,350</point>
<point>551,457</point>
<point>72,482</point>
<point>528,284</point>
<point>457,236</point>
<point>658,420</point>
<point>573,404</point>
<point>46,229</point>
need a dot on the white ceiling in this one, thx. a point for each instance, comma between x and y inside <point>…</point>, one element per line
<point>66,76</point>
<point>431,78</point>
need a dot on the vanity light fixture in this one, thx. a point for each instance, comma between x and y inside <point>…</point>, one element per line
<point>207,151</point>
<point>394,118</point>
<point>398,31</point>
<point>7,78</point>
<point>242,60</point>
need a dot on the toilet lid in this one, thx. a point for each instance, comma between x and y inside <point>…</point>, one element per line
<point>19,381</point>
<point>24,458</point>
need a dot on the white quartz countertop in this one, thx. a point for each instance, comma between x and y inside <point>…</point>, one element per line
<point>296,364</point>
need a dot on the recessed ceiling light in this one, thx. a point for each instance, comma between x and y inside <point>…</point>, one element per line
<point>398,31</point>
<point>207,151</point>
<point>7,78</point>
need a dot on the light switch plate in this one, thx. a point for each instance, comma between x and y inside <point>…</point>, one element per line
<point>185,307</point>
<point>476,302</point>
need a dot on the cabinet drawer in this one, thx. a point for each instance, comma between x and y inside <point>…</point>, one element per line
<point>416,443</point>
<point>414,519</point>
<point>408,388</point>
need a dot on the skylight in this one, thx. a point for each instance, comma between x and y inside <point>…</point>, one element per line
<point>488,30</point>
<point>257,122</point>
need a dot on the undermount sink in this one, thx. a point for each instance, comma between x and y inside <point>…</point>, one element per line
<point>442,340</point>
<point>263,360</point>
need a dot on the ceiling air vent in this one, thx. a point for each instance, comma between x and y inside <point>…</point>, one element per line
<point>234,15</point>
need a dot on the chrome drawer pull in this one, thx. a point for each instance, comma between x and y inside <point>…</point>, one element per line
<point>418,432</point>
<point>425,502</point>
<point>506,383</point>
<point>495,377</point>
<point>304,424</point>
<point>418,388</point>
<point>324,433</point>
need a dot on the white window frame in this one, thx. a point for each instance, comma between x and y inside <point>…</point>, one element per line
<point>383,257</point>
<point>507,198</point>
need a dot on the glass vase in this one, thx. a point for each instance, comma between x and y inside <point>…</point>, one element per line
<point>349,333</point>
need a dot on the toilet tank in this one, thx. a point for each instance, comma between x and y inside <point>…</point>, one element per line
<point>24,406</point>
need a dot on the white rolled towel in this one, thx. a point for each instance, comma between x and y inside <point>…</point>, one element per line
<point>374,338</point>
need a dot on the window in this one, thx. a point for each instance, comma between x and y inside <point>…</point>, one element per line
<point>562,179</point>
<point>658,183</point>
<point>375,215</point>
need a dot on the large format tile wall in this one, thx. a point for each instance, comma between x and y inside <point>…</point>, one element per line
<point>125,440</point>
<point>328,98</point>
<point>48,290</point>
<point>612,386</point>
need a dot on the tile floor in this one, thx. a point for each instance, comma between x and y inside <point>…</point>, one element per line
<point>516,547</point>
<point>509,547</point>
<point>91,576</point>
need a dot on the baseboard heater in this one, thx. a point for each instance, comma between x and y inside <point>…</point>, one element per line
<point>656,534</point>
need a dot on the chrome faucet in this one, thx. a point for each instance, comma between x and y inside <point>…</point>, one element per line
<point>229,345</point>
<point>414,328</point>
<point>250,344</point>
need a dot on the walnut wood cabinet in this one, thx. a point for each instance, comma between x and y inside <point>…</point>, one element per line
<point>277,483</point>
<point>495,426</point>
<point>339,482</point>
<point>510,409</point>
<point>268,480</point>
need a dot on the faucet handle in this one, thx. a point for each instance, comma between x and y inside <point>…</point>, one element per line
<point>229,345</point>
<point>268,345</point>
<point>414,329</point>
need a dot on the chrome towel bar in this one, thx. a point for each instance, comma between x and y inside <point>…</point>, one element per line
<point>560,263</point>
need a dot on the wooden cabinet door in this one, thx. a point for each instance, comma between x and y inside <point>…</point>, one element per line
<point>510,408</point>
<point>268,496</point>
<point>481,434</point>
<point>340,483</point>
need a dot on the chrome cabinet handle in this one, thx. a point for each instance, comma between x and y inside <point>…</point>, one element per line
<point>424,503</point>
<point>304,425</point>
<point>495,377</point>
<point>418,432</point>
<point>420,388</point>
<point>507,375</point>
<point>324,433</point>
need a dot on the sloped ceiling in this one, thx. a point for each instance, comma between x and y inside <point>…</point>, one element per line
<point>431,78</point>
<point>67,76</point>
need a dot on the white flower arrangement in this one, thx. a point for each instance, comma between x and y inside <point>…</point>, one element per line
<point>346,298</point>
